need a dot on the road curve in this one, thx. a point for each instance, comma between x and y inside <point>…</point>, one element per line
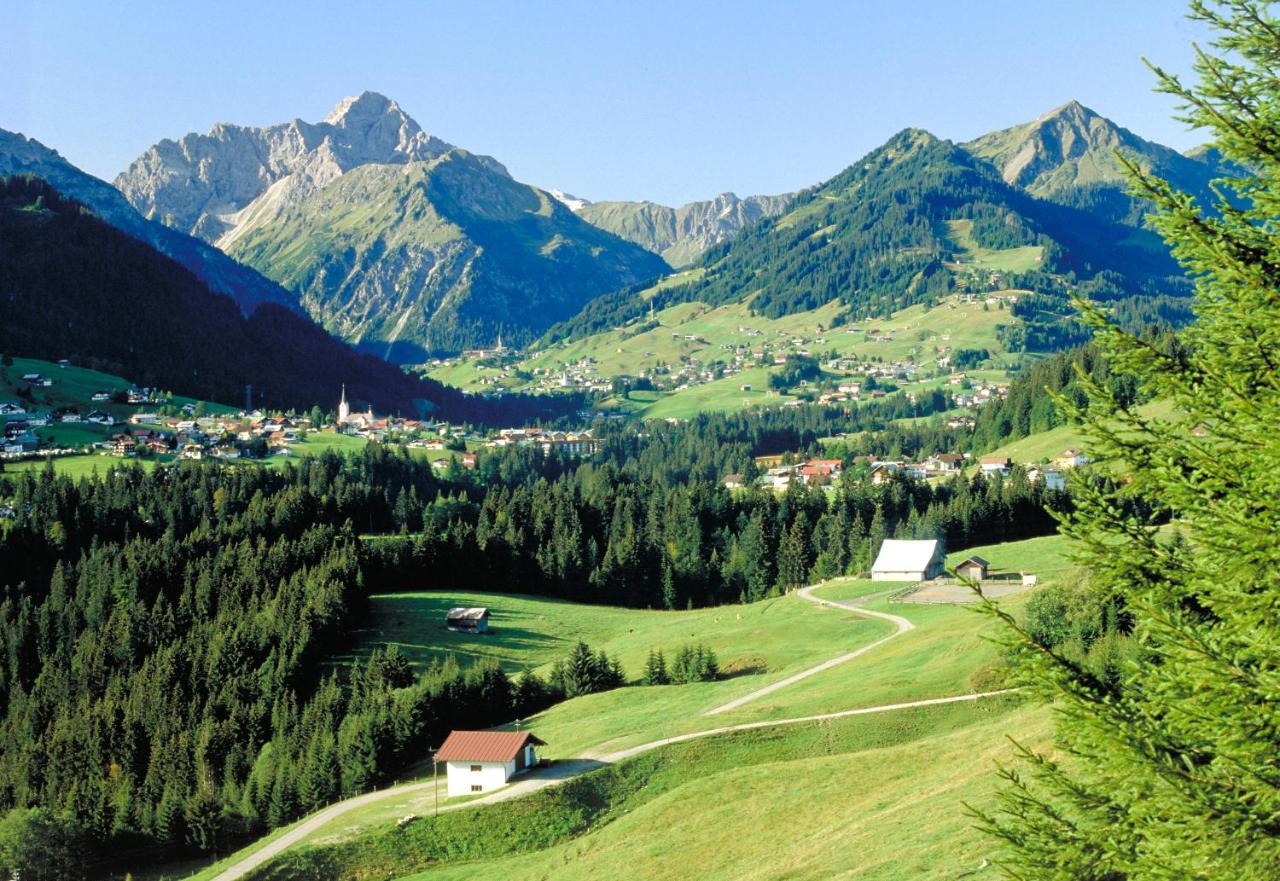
<point>901,626</point>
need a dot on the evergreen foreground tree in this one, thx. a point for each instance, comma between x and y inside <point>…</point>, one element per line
<point>1172,769</point>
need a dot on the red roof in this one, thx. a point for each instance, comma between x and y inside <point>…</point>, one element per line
<point>484,746</point>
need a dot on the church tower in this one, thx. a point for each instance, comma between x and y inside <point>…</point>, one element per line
<point>344,409</point>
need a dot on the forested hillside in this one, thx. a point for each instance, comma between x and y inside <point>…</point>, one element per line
<point>78,288</point>
<point>165,632</point>
<point>914,220</point>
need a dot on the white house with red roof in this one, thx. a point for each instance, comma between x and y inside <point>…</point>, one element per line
<point>482,761</point>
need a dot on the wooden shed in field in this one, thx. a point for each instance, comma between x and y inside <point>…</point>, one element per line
<point>975,568</point>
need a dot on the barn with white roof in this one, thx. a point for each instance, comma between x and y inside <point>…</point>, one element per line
<point>909,560</point>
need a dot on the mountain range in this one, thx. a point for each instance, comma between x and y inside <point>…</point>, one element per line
<point>1041,206</point>
<point>390,237</point>
<point>680,235</point>
<point>1069,154</point>
<point>406,245</point>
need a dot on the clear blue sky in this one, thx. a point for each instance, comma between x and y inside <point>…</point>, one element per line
<point>641,99</point>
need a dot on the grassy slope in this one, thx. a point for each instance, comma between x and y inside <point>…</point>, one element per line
<point>75,387</point>
<point>1022,259</point>
<point>1045,445</point>
<point>945,655</point>
<point>1045,557</point>
<point>892,809</point>
<point>916,333</point>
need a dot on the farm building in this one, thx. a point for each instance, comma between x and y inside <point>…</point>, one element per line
<point>905,560</point>
<point>481,761</point>
<point>974,567</point>
<point>995,465</point>
<point>465,620</point>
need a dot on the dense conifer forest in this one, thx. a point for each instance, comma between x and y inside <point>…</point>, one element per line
<point>166,633</point>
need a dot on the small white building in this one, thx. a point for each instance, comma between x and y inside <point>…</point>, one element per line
<point>482,761</point>
<point>908,560</point>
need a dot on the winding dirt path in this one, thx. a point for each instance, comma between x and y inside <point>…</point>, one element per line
<point>901,626</point>
<point>564,770</point>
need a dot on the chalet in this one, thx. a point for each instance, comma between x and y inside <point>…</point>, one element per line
<point>68,416</point>
<point>974,568</point>
<point>9,408</point>
<point>908,560</point>
<point>147,418</point>
<point>97,417</point>
<point>101,396</point>
<point>464,620</point>
<point>482,761</point>
<point>1051,478</point>
<point>733,481</point>
<point>1071,458</point>
<point>468,460</point>
<point>945,462</point>
<point>192,451</point>
<point>882,471</point>
<point>992,465</point>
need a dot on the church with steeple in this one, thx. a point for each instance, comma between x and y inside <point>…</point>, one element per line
<point>346,417</point>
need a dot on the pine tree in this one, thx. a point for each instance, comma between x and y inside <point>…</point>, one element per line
<point>1173,766</point>
<point>655,669</point>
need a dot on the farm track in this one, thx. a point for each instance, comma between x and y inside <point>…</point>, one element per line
<point>901,626</point>
<point>569,768</point>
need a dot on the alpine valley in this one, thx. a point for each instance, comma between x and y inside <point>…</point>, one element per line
<point>368,514</point>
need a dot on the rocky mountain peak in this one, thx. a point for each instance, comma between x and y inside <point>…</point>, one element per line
<point>361,108</point>
<point>213,185</point>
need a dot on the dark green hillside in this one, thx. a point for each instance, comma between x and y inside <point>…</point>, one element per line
<point>75,287</point>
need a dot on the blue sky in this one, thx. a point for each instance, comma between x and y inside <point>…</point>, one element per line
<point>668,101</point>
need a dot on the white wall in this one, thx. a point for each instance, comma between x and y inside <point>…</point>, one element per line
<point>492,775</point>
<point>897,576</point>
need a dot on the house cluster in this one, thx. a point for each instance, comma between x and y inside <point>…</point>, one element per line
<point>814,472</point>
<point>978,392</point>
<point>822,472</point>
<point>219,437</point>
<point>571,443</point>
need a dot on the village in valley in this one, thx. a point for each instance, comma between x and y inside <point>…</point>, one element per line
<point>749,360</point>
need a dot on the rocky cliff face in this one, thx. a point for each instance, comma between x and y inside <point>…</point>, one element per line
<point>216,186</point>
<point>21,155</point>
<point>680,235</point>
<point>392,238</point>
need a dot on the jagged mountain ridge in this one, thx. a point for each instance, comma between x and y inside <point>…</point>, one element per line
<point>248,288</point>
<point>393,239</point>
<point>236,177</point>
<point>444,254</point>
<point>681,235</point>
